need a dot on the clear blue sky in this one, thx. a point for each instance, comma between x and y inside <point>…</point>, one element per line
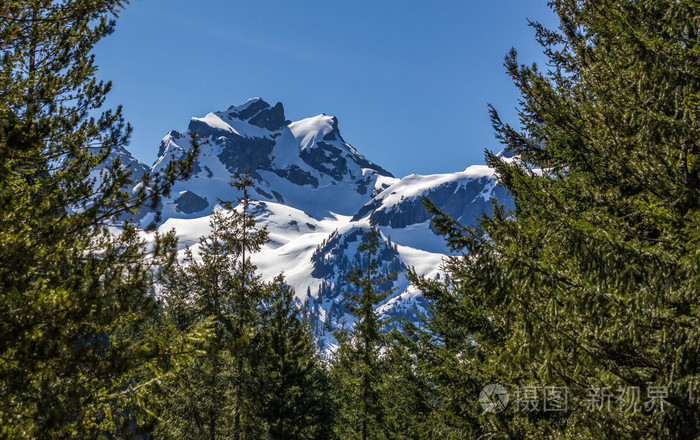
<point>409,81</point>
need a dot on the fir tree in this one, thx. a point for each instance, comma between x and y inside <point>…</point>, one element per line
<point>590,283</point>
<point>358,365</point>
<point>211,396</point>
<point>291,388</point>
<point>407,395</point>
<point>71,291</point>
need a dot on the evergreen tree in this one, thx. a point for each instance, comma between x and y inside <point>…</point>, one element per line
<point>292,383</point>
<point>407,396</point>
<point>358,363</point>
<point>590,283</point>
<point>71,291</point>
<point>211,396</point>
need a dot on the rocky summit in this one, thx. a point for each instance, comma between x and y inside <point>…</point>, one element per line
<point>317,195</point>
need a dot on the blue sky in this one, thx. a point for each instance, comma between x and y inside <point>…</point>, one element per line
<point>409,81</point>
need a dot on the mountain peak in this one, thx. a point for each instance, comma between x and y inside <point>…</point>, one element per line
<point>252,104</point>
<point>256,111</point>
<point>306,164</point>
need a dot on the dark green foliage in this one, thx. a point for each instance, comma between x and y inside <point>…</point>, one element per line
<point>406,392</point>
<point>358,365</point>
<point>291,383</point>
<point>258,376</point>
<point>72,293</point>
<point>591,281</point>
<point>211,396</point>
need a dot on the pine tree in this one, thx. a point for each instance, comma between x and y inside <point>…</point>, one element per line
<point>71,291</point>
<point>590,283</point>
<point>358,364</point>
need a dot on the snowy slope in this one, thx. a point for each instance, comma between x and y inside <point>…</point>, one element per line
<point>317,195</point>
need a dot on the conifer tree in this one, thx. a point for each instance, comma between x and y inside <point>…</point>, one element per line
<point>71,291</point>
<point>211,396</point>
<point>291,383</point>
<point>590,283</point>
<point>358,364</point>
<point>407,396</point>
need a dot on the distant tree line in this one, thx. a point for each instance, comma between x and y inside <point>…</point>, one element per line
<point>573,315</point>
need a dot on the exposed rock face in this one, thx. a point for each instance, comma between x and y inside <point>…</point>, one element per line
<point>189,202</point>
<point>464,201</point>
<point>464,196</point>
<point>326,159</point>
<point>270,118</point>
<point>240,153</point>
<point>298,176</point>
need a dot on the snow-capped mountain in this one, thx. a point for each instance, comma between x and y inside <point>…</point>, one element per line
<point>317,195</point>
<point>305,164</point>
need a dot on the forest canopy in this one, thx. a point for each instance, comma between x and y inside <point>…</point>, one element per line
<point>572,315</point>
